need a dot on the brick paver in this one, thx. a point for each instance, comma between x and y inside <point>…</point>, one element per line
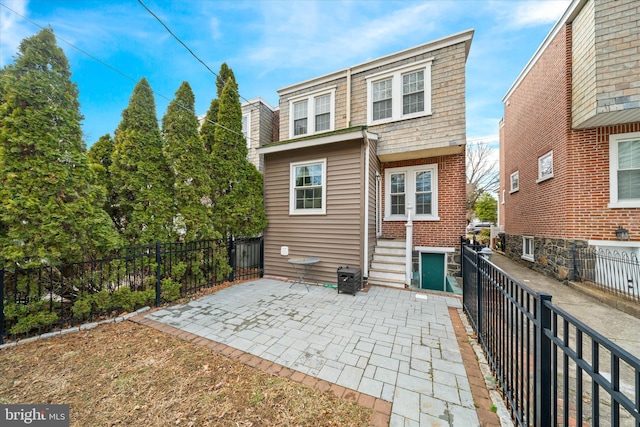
<point>385,349</point>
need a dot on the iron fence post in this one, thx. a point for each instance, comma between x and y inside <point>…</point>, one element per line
<point>542,362</point>
<point>478,260</point>
<point>232,258</point>
<point>158,275</point>
<point>1,306</point>
<point>261,256</point>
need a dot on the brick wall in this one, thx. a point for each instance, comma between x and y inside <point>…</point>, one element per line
<point>451,205</point>
<point>539,208</point>
<point>588,216</point>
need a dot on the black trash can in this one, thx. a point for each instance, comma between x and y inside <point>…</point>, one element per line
<point>349,280</point>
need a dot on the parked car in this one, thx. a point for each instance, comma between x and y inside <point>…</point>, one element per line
<point>476,227</point>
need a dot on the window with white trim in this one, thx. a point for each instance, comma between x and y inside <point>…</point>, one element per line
<point>313,113</point>
<point>300,118</point>
<point>527,248</point>
<point>503,196</point>
<point>545,167</point>
<point>401,93</point>
<point>308,188</point>
<point>416,185</point>
<point>624,170</point>
<point>246,128</point>
<point>515,182</point>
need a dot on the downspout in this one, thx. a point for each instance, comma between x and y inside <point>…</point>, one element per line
<point>365,267</point>
<point>348,97</point>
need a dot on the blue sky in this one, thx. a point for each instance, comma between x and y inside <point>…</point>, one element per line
<point>271,44</point>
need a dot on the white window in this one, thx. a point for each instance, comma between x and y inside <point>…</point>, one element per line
<point>415,185</point>
<point>401,93</point>
<point>382,97</point>
<point>527,248</point>
<point>312,113</point>
<point>323,113</point>
<point>515,182</point>
<point>545,167</point>
<point>503,196</point>
<point>308,188</point>
<point>300,118</point>
<point>624,170</point>
<point>246,128</point>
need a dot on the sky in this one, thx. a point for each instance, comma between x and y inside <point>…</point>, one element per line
<point>269,44</point>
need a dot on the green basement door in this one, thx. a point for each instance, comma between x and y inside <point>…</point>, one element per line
<point>433,269</point>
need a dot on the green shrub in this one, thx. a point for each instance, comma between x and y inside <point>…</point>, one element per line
<point>170,290</point>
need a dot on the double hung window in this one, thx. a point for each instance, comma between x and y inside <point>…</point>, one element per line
<point>313,113</point>
<point>399,93</point>
<point>308,187</point>
<point>624,170</point>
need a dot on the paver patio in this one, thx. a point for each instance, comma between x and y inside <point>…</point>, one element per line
<point>391,344</point>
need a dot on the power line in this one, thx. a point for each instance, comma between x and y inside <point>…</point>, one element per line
<point>123,74</point>
<point>187,47</point>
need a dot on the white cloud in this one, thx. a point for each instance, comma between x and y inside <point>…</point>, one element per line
<point>533,13</point>
<point>12,28</point>
<point>314,34</point>
<point>214,24</point>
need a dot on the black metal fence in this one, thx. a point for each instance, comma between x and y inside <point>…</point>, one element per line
<point>552,368</point>
<point>38,300</point>
<point>612,271</point>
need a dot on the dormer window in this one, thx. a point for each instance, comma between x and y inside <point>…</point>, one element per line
<point>312,113</point>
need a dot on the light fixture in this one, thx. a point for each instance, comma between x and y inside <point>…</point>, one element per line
<point>622,233</point>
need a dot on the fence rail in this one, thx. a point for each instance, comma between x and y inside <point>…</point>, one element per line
<point>552,368</point>
<point>612,271</point>
<point>42,299</point>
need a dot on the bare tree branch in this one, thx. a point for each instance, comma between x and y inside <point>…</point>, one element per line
<point>482,174</point>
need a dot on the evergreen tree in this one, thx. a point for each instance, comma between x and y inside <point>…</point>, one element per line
<point>185,153</point>
<point>208,128</point>
<point>99,156</point>
<point>238,207</point>
<point>207,131</point>
<point>140,173</point>
<point>223,77</point>
<point>50,212</point>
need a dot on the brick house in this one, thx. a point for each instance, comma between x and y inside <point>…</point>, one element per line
<point>570,140</point>
<point>365,154</point>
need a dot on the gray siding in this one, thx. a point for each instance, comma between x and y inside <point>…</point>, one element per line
<point>335,237</point>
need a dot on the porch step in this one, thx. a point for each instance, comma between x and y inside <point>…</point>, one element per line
<point>388,265</point>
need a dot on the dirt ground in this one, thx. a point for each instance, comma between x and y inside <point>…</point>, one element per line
<point>124,374</point>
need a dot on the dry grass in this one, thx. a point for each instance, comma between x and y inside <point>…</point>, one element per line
<point>125,374</point>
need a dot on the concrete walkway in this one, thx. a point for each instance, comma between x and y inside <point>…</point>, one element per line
<point>391,344</point>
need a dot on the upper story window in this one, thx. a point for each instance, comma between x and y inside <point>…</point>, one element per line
<point>308,188</point>
<point>401,93</point>
<point>416,185</point>
<point>624,170</point>
<point>382,96</point>
<point>323,113</point>
<point>312,113</point>
<point>514,182</point>
<point>545,167</point>
<point>246,128</point>
<point>413,92</point>
<point>300,118</point>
